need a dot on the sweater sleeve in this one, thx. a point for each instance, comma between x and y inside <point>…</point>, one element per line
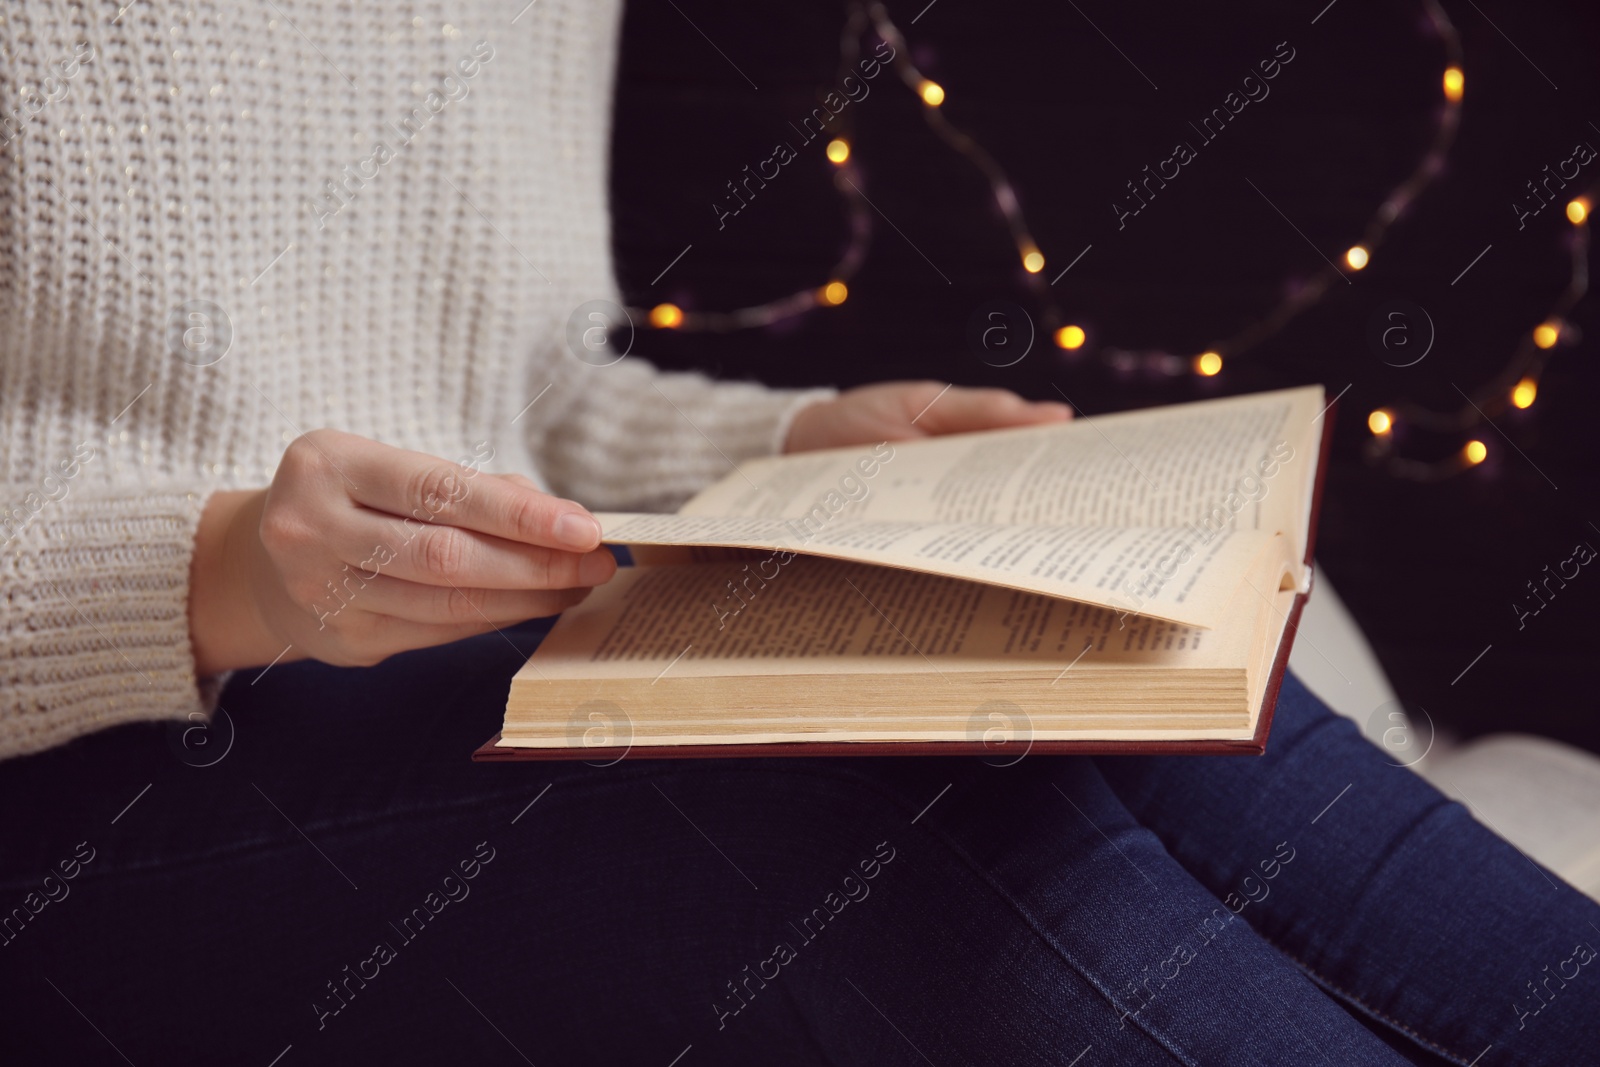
<point>630,437</point>
<point>94,629</point>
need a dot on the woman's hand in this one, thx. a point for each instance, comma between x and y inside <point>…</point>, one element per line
<point>359,550</point>
<point>896,411</point>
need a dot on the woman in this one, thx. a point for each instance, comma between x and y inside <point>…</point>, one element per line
<point>279,278</point>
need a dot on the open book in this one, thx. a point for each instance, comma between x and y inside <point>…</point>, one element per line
<point>1124,582</point>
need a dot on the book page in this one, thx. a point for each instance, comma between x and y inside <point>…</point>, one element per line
<point>1243,462</point>
<point>822,616</point>
<point>1177,574</point>
<point>845,652</point>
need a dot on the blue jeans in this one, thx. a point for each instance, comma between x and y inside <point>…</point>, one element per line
<point>324,877</point>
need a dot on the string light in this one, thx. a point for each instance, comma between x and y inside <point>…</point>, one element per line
<point>1516,386</point>
<point>848,182</point>
<point>666,316</point>
<point>1523,394</point>
<point>1306,293</point>
<point>1454,83</point>
<point>1000,187</point>
<point>1071,337</point>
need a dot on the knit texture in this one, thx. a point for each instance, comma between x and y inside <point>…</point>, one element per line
<point>226,224</point>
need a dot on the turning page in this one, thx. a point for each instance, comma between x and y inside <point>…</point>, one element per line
<point>1159,512</point>
<point>1248,457</point>
<point>1157,571</point>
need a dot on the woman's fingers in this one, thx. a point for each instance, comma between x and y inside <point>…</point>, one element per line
<point>897,411</point>
<point>444,555</point>
<point>442,604</point>
<point>360,550</point>
<point>423,489</point>
<point>960,410</point>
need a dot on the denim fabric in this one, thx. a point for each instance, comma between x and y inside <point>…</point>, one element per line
<point>1398,902</point>
<point>322,876</point>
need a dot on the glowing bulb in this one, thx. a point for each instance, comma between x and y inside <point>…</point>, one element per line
<point>1578,210</point>
<point>1546,334</point>
<point>1070,337</point>
<point>1454,83</point>
<point>838,150</point>
<point>834,293</point>
<point>1033,261</point>
<point>932,93</point>
<point>666,316</point>
<point>1208,364</point>
<point>1523,394</point>
<point>1380,422</point>
<point>1474,453</point>
<point>1357,257</point>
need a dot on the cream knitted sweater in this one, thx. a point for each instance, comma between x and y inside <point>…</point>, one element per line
<point>225,224</point>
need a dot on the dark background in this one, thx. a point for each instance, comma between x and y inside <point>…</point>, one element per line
<point>1429,570</point>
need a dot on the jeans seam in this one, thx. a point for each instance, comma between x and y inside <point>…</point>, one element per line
<point>1439,803</point>
<point>1346,995</point>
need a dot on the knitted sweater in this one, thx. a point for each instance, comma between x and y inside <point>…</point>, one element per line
<point>225,224</point>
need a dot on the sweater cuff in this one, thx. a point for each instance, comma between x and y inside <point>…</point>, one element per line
<point>632,438</point>
<point>731,422</point>
<point>94,618</point>
<point>774,423</point>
